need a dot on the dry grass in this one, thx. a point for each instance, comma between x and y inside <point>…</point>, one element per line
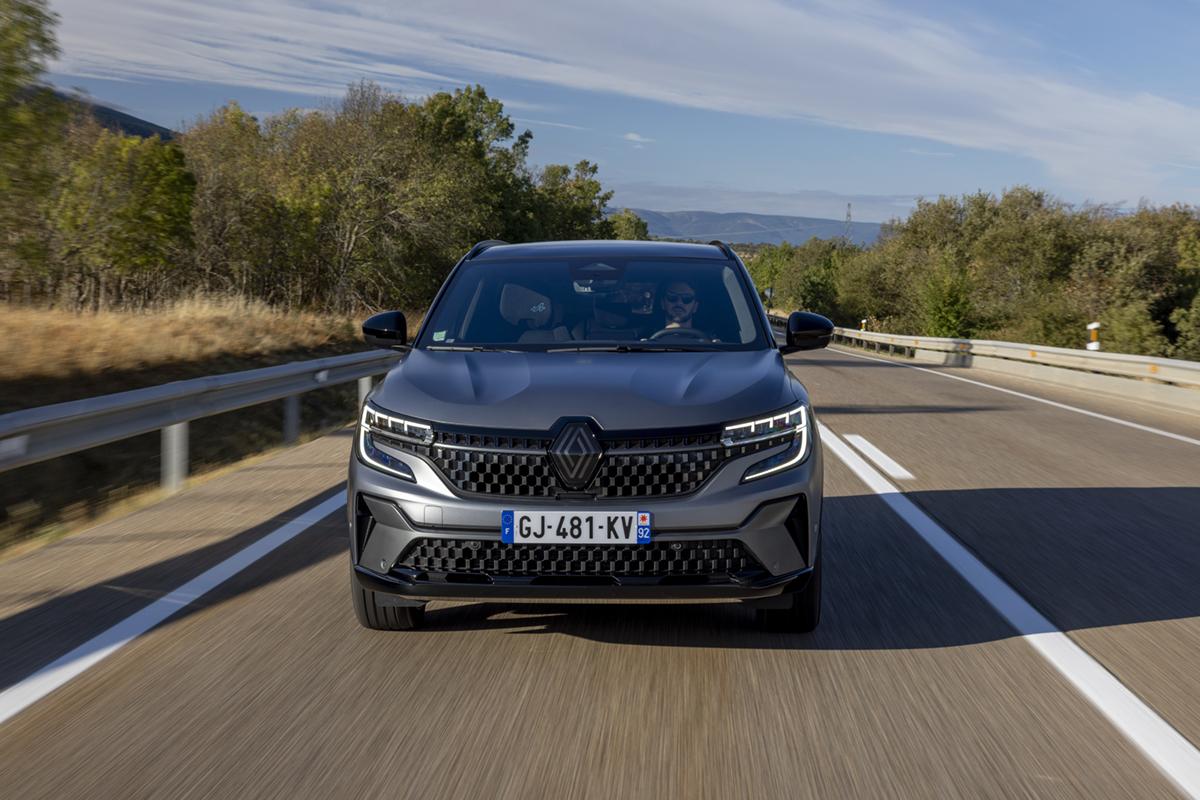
<point>45,342</point>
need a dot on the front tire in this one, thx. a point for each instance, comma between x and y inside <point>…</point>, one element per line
<point>383,617</point>
<point>804,613</point>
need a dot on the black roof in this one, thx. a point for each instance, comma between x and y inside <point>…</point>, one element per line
<point>601,248</point>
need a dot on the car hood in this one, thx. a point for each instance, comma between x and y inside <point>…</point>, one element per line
<point>620,391</point>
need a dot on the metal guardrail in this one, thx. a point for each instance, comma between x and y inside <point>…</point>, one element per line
<point>1162,370</point>
<point>37,434</point>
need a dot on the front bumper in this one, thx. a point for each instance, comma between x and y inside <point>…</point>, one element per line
<point>620,589</point>
<point>776,520</point>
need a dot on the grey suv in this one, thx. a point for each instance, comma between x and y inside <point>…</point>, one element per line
<point>589,420</point>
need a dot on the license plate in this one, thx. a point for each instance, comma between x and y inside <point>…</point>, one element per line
<point>584,527</point>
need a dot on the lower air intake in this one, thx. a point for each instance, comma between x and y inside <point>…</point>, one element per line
<point>715,558</point>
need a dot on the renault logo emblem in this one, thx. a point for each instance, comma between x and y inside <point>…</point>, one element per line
<point>576,455</point>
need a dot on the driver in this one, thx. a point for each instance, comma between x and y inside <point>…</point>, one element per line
<point>680,305</point>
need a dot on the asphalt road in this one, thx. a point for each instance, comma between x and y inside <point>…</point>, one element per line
<point>914,686</point>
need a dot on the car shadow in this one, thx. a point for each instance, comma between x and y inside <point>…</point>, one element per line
<point>1087,558</point>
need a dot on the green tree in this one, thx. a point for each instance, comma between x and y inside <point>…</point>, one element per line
<point>1130,328</point>
<point>1187,324</point>
<point>570,203</point>
<point>26,42</point>
<point>241,234</point>
<point>31,118</point>
<point>946,301</point>
<point>628,225</point>
<point>1023,266</point>
<point>808,279</point>
<point>369,203</point>
<point>122,219</point>
<point>490,158</point>
<point>765,268</point>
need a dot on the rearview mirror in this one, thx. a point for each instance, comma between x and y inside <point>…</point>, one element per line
<point>807,331</point>
<point>388,330</point>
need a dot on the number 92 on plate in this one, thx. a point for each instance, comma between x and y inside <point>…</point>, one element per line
<point>575,527</point>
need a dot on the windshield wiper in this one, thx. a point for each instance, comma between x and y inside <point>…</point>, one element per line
<point>630,348</point>
<point>471,348</point>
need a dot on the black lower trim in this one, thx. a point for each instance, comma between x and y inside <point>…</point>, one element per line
<point>614,589</point>
<point>701,560</point>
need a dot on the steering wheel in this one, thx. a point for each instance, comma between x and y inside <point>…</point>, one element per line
<point>692,332</point>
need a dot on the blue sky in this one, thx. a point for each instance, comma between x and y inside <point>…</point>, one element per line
<point>756,105</point>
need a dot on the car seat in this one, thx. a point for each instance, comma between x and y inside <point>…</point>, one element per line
<point>534,312</point>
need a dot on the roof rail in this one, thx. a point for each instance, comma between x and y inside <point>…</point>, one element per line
<point>480,247</point>
<point>726,249</point>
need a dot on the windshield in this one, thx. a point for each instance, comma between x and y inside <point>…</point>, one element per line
<point>585,304</point>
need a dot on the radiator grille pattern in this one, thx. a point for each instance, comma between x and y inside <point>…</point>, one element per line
<point>719,558</point>
<point>519,466</point>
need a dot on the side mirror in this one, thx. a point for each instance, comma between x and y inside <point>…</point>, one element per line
<point>807,331</point>
<point>388,330</point>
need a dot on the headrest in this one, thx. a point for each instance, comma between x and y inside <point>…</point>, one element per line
<point>518,304</point>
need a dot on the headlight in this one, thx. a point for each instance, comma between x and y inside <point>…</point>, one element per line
<point>381,438</point>
<point>790,426</point>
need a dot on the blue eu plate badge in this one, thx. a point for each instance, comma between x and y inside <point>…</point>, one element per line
<point>575,527</point>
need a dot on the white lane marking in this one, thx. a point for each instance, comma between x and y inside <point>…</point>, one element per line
<point>1170,751</point>
<point>1035,398</point>
<point>23,694</point>
<point>881,459</point>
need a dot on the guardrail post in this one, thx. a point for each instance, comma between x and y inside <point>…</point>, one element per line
<point>174,456</point>
<point>291,419</point>
<point>364,388</point>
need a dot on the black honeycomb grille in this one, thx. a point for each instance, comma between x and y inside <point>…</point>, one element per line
<point>617,445</point>
<point>632,467</point>
<point>655,474</point>
<point>719,558</point>
<point>505,474</point>
<point>492,441</point>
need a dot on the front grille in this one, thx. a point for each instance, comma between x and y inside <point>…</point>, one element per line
<point>505,474</point>
<point>714,558</point>
<point>655,474</point>
<point>632,466</point>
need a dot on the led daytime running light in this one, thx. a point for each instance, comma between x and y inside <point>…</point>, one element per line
<point>793,421</point>
<point>785,460</point>
<point>375,420</point>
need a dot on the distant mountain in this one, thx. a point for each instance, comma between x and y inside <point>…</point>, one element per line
<point>119,121</point>
<point>745,228</point>
<point>128,124</point>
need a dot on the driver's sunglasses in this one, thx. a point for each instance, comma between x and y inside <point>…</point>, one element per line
<point>686,299</point>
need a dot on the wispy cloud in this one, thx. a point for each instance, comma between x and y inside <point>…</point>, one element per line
<point>862,64</point>
<point>523,105</point>
<point>550,124</point>
<point>636,138</point>
<point>916,151</point>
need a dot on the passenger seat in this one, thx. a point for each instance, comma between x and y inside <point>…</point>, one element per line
<point>533,311</point>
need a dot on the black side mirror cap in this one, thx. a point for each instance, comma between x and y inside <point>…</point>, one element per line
<point>388,330</point>
<point>807,331</point>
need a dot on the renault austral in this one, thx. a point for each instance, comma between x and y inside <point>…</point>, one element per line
<point>598,420</point>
